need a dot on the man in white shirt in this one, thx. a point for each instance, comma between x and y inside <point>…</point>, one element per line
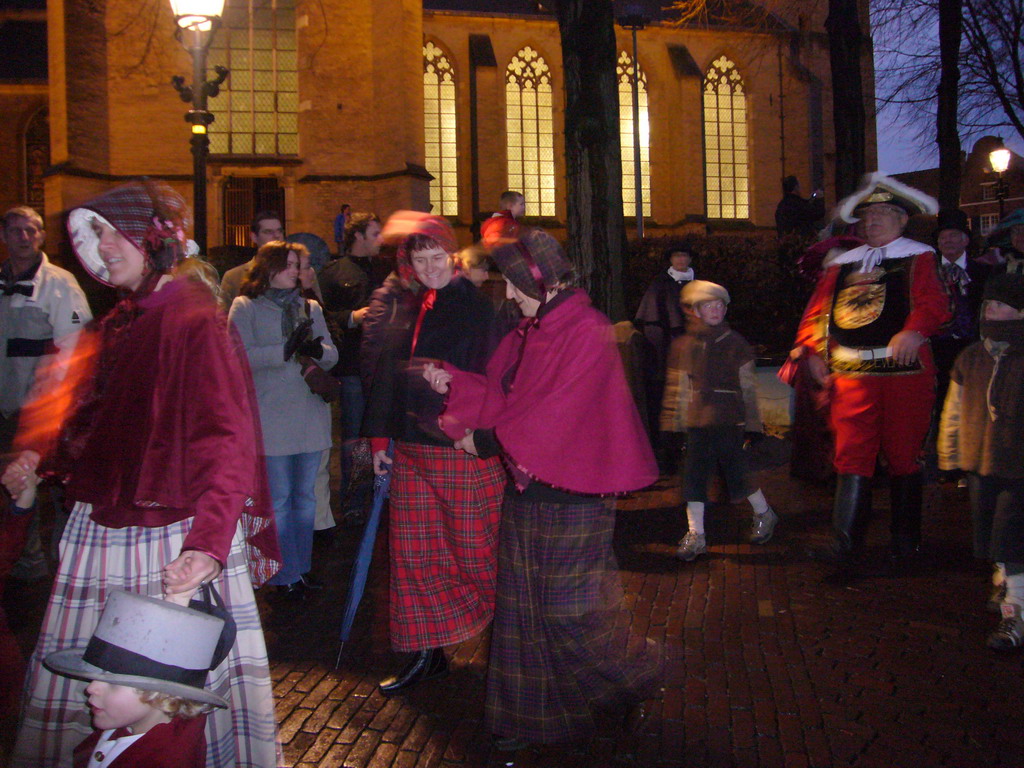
<point>42,311</point>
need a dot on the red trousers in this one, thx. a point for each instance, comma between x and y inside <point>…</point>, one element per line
<point>888,414</point>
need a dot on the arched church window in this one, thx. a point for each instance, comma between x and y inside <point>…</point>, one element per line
<point>257,111</point>
<point>626,73</point>
<point>726,162</point>
<point>530,131</point>
<point>439,128</point>
<point>37,159</point>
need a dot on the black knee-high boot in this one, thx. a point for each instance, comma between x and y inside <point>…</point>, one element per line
<point>851,512</point>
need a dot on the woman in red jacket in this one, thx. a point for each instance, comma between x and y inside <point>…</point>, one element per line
<point>159,454</point>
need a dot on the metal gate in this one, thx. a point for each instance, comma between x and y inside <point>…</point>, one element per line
<point>244,197</point>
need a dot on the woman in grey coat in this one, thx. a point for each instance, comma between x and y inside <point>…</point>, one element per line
<point>270,316</point>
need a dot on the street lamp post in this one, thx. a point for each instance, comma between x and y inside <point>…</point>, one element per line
<point>1000,160</point>
<point>197,20</point>
<point>632,18</point>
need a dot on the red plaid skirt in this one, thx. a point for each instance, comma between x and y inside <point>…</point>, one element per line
<point>445,510</point>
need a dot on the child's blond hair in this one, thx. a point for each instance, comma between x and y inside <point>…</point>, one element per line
<point>174,706</point>
<point>474,256</point>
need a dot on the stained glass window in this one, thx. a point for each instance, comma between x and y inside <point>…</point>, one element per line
<point>530,131</point>
<point>439,129</point>
<point>726,162</point>
<point>257,109</point>
<point>626,73</point>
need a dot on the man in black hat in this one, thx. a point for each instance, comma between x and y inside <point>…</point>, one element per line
<point>964,279</point>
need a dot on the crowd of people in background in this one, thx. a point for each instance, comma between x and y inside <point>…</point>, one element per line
<point>187,435</point>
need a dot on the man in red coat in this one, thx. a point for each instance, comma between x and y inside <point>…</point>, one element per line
<point>866,333</point>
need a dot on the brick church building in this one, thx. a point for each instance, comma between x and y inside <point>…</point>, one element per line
<point>428,104</point>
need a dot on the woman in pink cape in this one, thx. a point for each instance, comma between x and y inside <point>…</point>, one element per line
<point>555,406</point>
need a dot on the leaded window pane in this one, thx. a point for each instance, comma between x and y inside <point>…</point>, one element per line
<point>726,172</point>
<point>257,112</point>
<point>529,131</point>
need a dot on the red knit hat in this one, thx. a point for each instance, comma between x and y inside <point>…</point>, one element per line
<point>403,225</point>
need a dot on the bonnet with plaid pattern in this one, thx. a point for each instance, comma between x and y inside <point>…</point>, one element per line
<point>150,215</point>
<point>535,263</point>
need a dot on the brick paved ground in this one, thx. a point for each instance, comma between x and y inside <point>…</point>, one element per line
<point>769,662</point>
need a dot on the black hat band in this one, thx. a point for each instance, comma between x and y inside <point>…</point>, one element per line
<point>120,661</point>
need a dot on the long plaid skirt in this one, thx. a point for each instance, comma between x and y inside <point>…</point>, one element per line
<point>557,653</point>
<point>95,560</point>
<point>445,508</point>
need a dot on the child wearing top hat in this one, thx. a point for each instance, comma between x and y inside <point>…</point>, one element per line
<point>147,662</point>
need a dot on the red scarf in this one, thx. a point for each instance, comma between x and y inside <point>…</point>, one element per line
<point>425,306</point>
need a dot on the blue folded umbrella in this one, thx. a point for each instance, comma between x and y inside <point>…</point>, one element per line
<point>361,566</point>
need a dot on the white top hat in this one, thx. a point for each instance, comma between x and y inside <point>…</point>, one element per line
<point>149,644</point>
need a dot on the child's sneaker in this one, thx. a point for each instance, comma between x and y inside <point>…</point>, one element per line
<point>691,545</point>
<point>764,526</point>
<point>1010,632</point>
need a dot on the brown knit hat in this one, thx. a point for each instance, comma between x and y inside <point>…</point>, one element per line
<point>1005,287</point>
<point>535,263</point>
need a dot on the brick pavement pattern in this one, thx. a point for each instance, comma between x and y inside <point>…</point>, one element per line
<point>770,662</point>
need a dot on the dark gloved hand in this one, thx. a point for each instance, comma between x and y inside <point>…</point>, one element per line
<point>297,337</point>
<point>311,348</point>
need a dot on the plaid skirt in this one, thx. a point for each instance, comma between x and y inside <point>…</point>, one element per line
<point>445,508</point>
<point>95,560</point>
<point>558,654</point>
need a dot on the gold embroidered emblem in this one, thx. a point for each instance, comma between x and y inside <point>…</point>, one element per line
<point>860,301</point>
<point>880,195</point>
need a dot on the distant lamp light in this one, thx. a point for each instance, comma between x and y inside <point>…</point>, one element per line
<point>1000,159</point>
<point>197,22</point>
<point>197,15</point>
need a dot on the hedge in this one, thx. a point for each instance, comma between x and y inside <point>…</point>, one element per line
<point>768,294</point>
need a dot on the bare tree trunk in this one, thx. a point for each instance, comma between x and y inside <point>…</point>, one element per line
<point>597,233</point>
<point>848,114</point>
<point>947,135</point>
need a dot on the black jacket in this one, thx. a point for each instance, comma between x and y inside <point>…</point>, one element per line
<point>400,403</point>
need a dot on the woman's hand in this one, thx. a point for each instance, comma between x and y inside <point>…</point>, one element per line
<point>439,378</point>
<point>184,574</point>
<point>467,444</point>
<point>20,474</point>
<point>381,463</point>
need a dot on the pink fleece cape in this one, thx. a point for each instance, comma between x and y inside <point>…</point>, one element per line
<point>570,420</point>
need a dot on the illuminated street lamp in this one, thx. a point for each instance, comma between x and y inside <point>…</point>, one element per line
<point>1000,160</point>
<point>631,16</point>
<point>197,21</point>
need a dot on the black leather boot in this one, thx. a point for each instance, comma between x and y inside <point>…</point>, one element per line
<point>905,522</point>
<point>851,512</point>
<point>425,665</point>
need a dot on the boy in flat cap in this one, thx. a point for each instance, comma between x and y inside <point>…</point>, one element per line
<point>711,392</point>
